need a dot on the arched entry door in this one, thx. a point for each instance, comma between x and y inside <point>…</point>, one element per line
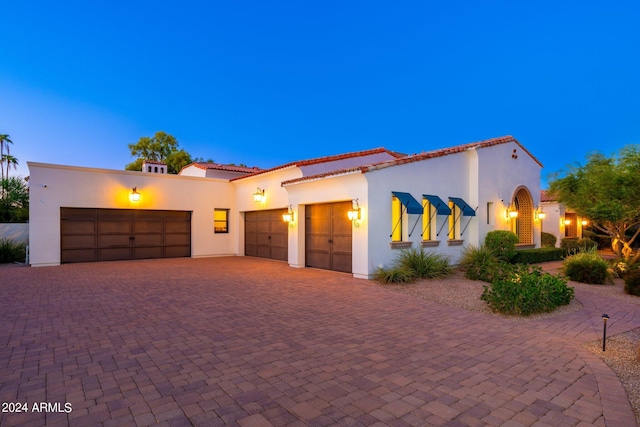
<point>523,225</point>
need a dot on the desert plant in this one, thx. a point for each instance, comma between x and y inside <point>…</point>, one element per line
<point>12,251</point>
<point>481,263</point>
<point>503,243</point>
<point>632,282</point>
<point>394,274</point>
<point>586,267</point>
<point>548,240</point>
<point>527,291</point>
<point>424,264</point>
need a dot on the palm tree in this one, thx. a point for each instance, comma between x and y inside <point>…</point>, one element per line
<point>5,140</point>
<point>11,162</point>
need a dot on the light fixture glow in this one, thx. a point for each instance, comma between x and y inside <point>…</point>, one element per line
<point>539,214</point>
<point>511,213</point>
<point>258,196</point>
<point>584,222</point>
<point>134,196</point>
<point>289,216</point>
<point>567,222</point>
<point>354,213</point>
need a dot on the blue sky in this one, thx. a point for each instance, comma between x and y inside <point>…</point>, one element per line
<point>268,82</point>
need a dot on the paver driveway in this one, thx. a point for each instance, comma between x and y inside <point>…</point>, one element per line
<point>253,342</point>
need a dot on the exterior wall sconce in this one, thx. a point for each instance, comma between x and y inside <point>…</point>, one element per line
<point>584,222</point>
<point>134,196</point>
<point>511,213</point>
<point>289,217</point>
<point>567,222</point>
<point>540,215</point>
<point>258,196</point>
<point>354,213</point>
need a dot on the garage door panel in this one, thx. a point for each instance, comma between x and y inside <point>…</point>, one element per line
<point>266,234</point>
<point>70,227</point>
<point>79,255</point>
<point>328,236</point>
<point>118,234</point>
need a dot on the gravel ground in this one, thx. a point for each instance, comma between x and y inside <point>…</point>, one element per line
<point>622,352</point>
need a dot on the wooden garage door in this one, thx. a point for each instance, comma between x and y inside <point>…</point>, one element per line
<point>266,235</point>
<point>328,236</point>
<point>89,235</point>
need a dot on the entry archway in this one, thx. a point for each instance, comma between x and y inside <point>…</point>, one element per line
<point>523,225</point>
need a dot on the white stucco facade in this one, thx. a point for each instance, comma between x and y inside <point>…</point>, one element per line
<point>489,176</point>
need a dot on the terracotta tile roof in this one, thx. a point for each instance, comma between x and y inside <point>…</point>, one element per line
<point>545,196</point>
<point>218,166</point>
<point>327,159</point>
<point>419,157</point>
<point>154,162</point>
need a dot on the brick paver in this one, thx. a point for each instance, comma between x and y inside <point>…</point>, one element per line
<point>252,342</point>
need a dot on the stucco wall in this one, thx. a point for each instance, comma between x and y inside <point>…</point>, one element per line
<point>499,177</point>
<point>446,176</point>
<point>55,186</point>
<point>18,232</point>
<point>333,189</point>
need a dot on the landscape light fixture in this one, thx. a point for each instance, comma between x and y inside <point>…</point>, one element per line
<point>605,317</point>
<point>258,196</point>
<point>289,216</point>
<point>134,196</point>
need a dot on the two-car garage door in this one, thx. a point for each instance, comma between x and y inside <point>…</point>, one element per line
<point>89,235</point>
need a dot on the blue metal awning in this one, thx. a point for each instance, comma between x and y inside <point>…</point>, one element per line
<point>438,203</point>
<point>412,205</point>
<point>464,207</point>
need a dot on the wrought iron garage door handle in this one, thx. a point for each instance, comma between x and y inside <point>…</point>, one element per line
<point>132,237</point>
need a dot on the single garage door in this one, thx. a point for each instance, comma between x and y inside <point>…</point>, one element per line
<point>266,235</point>
<point>328,236</point>
<point>89,235</point>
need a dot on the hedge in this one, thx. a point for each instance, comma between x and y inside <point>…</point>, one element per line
<point>533,256</point>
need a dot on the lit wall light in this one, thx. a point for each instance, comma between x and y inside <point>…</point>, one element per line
<point>567,222</point>
<point>289,217</point>
<point>354,213</point>
<point>134,196</point>
<point>258,196</point>
<point>511,213</point>
<point>539,214</point>
<point>584,222</point>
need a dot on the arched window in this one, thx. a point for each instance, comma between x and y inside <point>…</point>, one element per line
<point>148,168</point>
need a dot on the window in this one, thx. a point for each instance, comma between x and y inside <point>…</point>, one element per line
<point>426,220</point>
<point>453,223</point>
<point>396,219</point>
<point>490,219</point>
<point>221,220</point>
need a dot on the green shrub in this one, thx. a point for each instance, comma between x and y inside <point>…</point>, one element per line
<point>532,256</point>
<point>528,291</point>
<point>503,243</point>
<point>548,240</point>
<point>632,282</point>
<point>586,267</point>
<point>12,251</point>
<point>424,264</point>
<point>481,263</point>
<point>394,274</point>
<point>574,245</point>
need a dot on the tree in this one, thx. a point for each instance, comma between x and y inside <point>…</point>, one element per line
<point>10,162</point>
<point>14,205</point>
<point>162,147</point>
<point>605,190</point>
<point>5,140</point>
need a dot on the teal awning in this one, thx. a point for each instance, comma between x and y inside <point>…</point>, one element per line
<point>412,205</point>
<point>438,203</point>
<point>464,207</point>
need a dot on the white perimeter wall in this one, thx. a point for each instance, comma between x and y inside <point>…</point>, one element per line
<point>55,186</point>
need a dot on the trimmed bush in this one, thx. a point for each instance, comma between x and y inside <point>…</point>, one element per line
<point>394,275</point>
<point>586,267</point>
<point>533,256</point>
<point>632,282</point>
<point>12,251</point>
<point>503,243</point>
<point>527,292</point>
<point>425,265</point>
<point>548,240</point>
<point>574,245</point>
